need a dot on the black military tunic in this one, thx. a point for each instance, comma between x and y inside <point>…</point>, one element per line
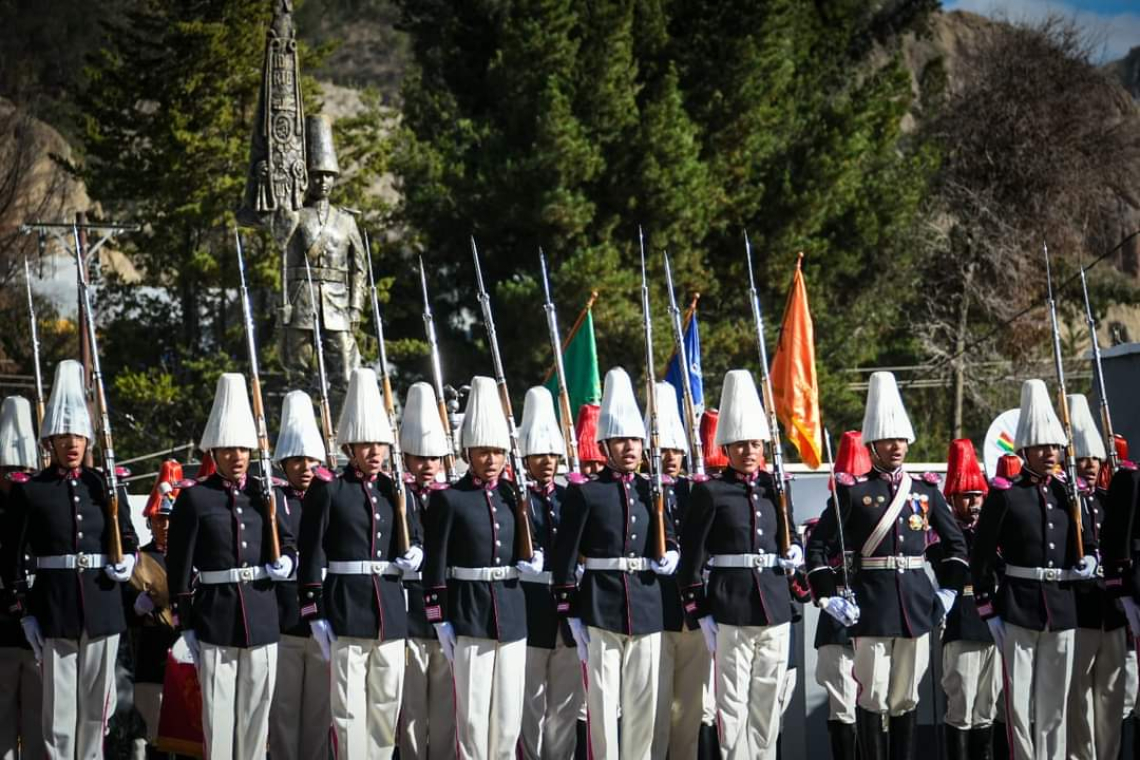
<point>677,495</point>
<point>609,517</point>
<point>1096,606</point>
<point>892,603</point>
<point>735,514</point>
<point>58,512</point>
<point>1028,522</point>
<point>542,622</point>
<point>350,517</point>
<point>472,524</point>
<point>963,623</point>
<point>288,605</point>
<point>1120,540</point>
<point>220,525</point>
<point>418,625</point>
<point>150,637</point>
<point>11,632</point>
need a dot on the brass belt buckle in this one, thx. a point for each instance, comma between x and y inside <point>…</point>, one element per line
<point>83,561</point>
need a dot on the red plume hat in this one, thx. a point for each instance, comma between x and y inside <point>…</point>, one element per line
<point>853,457</point>
<point>165,489</point>
<point>207,467</point>
<point>714,455</point>
<point>1008,467</point>
<point>586,427</point>
<point>963,473</point>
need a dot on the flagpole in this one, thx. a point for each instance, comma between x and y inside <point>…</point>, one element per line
<point>573,331</point>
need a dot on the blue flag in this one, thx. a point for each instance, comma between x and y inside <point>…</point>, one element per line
<point>673,375</point>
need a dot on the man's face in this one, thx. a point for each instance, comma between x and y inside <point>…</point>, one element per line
<point>486,463</point>
<point>68,450</point>
<point>889,453</point>
<point>368,457</point>
<point>321,184</point>
<point>158,526</point>
<point>423,470</point>
<point>745,456</point>
<point>1042,460</point>
<point>299,471</point>
<point>232,462</point>
<point>1088,468</point>
<point>671,461</point>
<point>542,467</point>
<point>967,507</point>
<point>624,453</point>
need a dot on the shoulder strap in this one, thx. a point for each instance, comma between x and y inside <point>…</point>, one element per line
<point>887,521</point>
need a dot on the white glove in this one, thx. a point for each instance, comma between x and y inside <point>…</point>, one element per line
<point>445,632</point>
<point>947,597</point>
<point>281,569</point>
<point>324,636</point>
<point>579,571</point>
<point>667,565</point>
<point>34,635</point>
<point>793,559</point>
<point>847,613</point>
<point>186,649</point>
<point>1086,568</point>
<point>581,637</point>
<point>412,559</point>
<point>532,566</point>
<point>144,605</point>
<point>1132,612</point>
<point>997,630</point>
<point>122,571</point>
<point>709,629</point>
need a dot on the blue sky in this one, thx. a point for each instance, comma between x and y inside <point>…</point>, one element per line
<point>1113,24</point>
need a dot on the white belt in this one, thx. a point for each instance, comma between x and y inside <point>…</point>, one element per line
<point>624,564</point>
<point>482,573</point>
<point>897,562</point>
<point>1040,573</point>
<point>72,562</point>
<point>412,575</point>
<point>236,575</point>
<point>361,567</point>
<point>545,578</point>
<point>743,560</point>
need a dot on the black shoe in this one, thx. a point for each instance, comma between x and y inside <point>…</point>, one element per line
<point>843,739</point>
<point>708,743</point>
<point>582,748</point>
<point>902,735</point>
<point>1001,741</point>
<point>872,737</point>
<point>982,743</point>
<point>958,743</point>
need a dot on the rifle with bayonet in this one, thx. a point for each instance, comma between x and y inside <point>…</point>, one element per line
<point>1071,487</point>
<point>437,379</point>
<point>692,430</point>
<point>1101,390</point>
<point>779,483</point>
<point>322,375</point>
<point>656,481</point>
<point>566,413</point>
<point>522,501</point>
<point>405,537</point>
<point>45,457</point>
<point>264,462</point>
<point>106,441</point>
<point>847,594</point>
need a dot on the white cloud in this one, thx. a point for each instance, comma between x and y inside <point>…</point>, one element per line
<point>1116,33</point>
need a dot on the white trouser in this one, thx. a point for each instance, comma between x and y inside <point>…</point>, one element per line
<point>21,704</point>
<point>834,671</point>
<point>554,695</point>
<point>971,679</point>
<point>302,690</point>
<point>489,680</point>
<point>751,662</point>
<point>427,712</point>
<point>367,677</point>
<point>1096,695</point>
<point>677,725</point>
<point>79,695</point>
<point>889,671</point>
<point>623,678</point>
<point>237,689</point>
<point>1038,671</point>
<point>1131,676</point>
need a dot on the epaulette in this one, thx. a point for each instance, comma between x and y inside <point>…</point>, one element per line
<point>700,478</point>
<point>845,479</point>
<point>437,486</point>
<point>122,472</point>
<point>932,478</point>
<point>323,473</point>
<point>668,480</point>
<point>187,483</point>
<point>409,478</point>
<point>1127,464</point>
<point>576,478</point>
<point>1001,483</point>
<point>279,482</point>
<point>19,477</point>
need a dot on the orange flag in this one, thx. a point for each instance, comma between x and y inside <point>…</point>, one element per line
<point>793,374</point>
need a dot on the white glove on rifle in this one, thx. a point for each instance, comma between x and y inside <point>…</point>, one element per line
<point>667,565</point>
<point>532,566</point>
<point>324,636</point>
<point>1086,568</point>
<point>186,649</point>
<point>581,637</point>
<point>121,571</point>
<point>445,632</point>
<point>412,559</point>
<point>34,635</point>
<point>281,569</point>
<point>793,559</point>
<point>847,613</point>
<point>709,629</point>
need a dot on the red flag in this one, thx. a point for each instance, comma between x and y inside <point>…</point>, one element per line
<point>794,382</point>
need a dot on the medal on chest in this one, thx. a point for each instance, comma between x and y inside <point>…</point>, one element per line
<point>920,509</point>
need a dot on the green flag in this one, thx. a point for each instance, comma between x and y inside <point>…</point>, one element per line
<point>580,362</point>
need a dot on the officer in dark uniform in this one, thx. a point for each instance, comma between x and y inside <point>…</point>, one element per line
<point>735,525</point>
<point>615,613</point>
<point>221,576</point>
<point>358,614</point>
<point>1033,614</point>
<point>472,591</point>
<point>887,515</point>
<point>73,613</point>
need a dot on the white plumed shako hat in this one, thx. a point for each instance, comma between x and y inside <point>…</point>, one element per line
<point>17,436</point>
<point>742,415</point>
<point>620,416</point>
<point>1038,424</point>
<point>362,418</point>
<point>299,435</point>
<point>66,410</point>
<point>885,416</point>
<point>671,433</point>
<point>540,433</point>
<point>1087,441</point>
<point>231,420</point>
<point>484,424</point>
<point>421,430</point>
